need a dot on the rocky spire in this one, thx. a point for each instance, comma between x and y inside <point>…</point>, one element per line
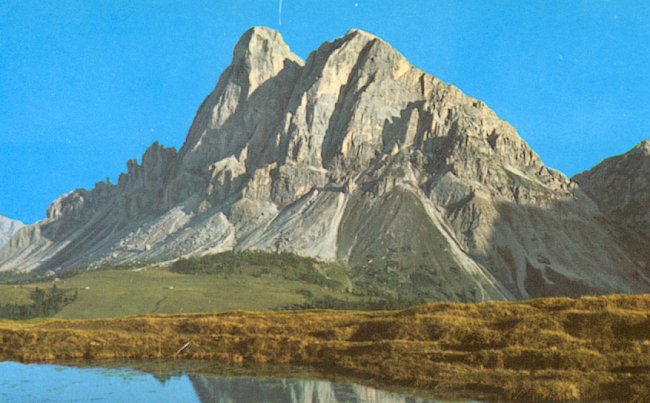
<point>253,88</point>
<point>259,55</point>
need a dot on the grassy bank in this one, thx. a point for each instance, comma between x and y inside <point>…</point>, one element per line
<point>557,348</point>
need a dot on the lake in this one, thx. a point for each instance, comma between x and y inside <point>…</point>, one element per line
<point>60,383</point>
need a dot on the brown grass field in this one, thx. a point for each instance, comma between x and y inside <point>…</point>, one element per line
<point>593,348</point>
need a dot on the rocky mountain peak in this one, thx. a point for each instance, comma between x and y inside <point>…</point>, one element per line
<point>359,32</point>
<point>245,103</point>
<point>259,55</point>
<point>355,156</point>
<point>258,39</point>
<point>620,187</point>
<point>643,147</point>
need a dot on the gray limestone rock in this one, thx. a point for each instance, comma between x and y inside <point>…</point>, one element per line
<point>357,156</point>
<point>8,227</point>
<point>620,186</point>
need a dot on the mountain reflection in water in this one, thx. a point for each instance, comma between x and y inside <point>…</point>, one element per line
<point>272,390</point>
<point>58,383</point>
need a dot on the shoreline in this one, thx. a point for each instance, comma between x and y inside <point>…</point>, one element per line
<point>162,369</point>
<point>552,348</point>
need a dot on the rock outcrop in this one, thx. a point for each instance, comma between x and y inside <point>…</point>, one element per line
<point>620,186</point>
<point>357,156</point>
<point>8,227</point>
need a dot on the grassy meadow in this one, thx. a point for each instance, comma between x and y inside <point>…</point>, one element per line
<point>256,281</point>
<point>114,293</point>
<point>595,348</point>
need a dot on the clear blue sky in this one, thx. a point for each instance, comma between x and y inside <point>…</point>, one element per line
<point>86,85</point>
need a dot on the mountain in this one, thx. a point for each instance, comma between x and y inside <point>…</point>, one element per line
<point>621,187</point>
<point>8,227</point>
<point>357,156</point>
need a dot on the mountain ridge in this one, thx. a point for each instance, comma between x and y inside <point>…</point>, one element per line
<point>620,187</point>
<point>8,227</point>
<point>353,155</point>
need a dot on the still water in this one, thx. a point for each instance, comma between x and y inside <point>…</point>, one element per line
<point>56,383</point>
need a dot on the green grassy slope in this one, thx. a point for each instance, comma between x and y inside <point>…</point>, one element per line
<point>248,281</point>
<point>114,293</point>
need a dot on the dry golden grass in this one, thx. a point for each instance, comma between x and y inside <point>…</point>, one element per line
<point>595,348</point>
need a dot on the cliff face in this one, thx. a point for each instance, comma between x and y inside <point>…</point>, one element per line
<point>8,227</point>
<point>621,187</point>
<point>354,155</point>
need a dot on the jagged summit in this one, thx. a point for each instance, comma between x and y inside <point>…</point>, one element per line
<point>259,33</point>
<point>643,147</point>
<point>620,185</point>
<point>261,48</point>
<point>357,31</point>
<point>361,36</point>
<point>357,156</point>
<point>258,40</point>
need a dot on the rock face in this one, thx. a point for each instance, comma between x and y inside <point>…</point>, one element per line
<point>354,155</point>
<point>621,187</point>
<point>8,227</point>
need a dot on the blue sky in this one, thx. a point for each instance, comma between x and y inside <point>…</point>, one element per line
<point>86,85</point>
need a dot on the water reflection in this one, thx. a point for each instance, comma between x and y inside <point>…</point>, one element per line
<point>55,383</point>
<point>273,390</point>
